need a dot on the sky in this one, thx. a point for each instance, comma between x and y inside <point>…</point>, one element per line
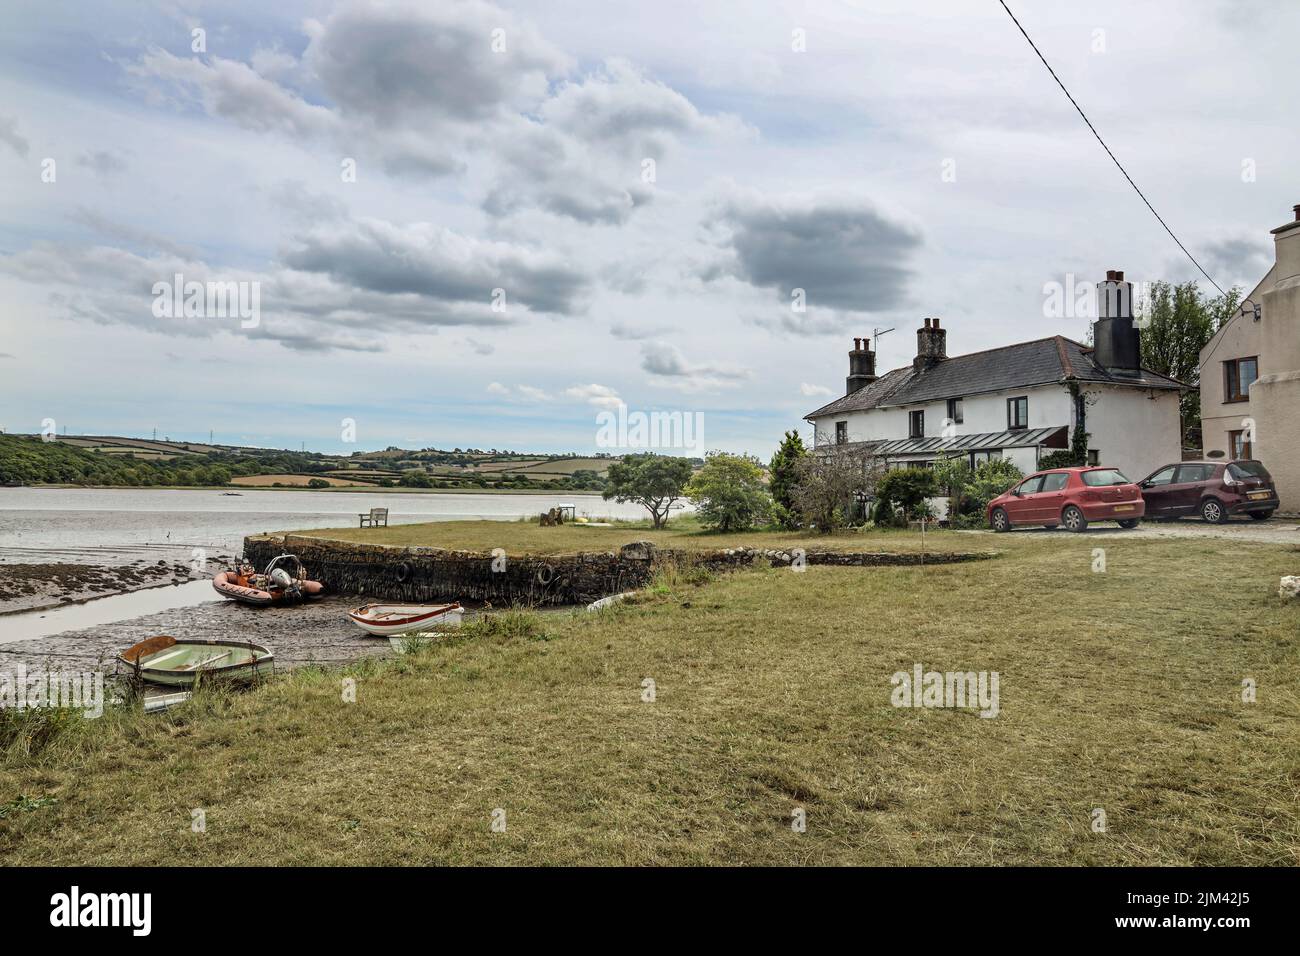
<point>467,224</point>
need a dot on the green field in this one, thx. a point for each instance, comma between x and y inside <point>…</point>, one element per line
<point>1120,691</point>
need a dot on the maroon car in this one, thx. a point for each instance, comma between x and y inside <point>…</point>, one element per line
<point>1070,497</point>
<point>1215,490</point>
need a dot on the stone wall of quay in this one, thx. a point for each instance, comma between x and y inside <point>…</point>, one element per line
<point>421,575</point>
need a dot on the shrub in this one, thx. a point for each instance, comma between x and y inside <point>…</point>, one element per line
<point>728,492</point>
<point>1065,458</point>
<point>907,488</point>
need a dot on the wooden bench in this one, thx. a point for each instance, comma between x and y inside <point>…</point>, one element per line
<point>377,518</point>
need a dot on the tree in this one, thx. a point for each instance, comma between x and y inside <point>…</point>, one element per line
<point>783,473</point>
<point>729,493</point>
<point>318,483</point>
<point>656,482</point>
<point>829,485</point>
<point>969,492</point>
<point>1177,322</point>
<point>907,488</point>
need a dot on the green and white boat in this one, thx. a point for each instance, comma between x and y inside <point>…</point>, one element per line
<point>182,663</point>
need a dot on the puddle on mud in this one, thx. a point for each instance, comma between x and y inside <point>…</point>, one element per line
<point>105,610</point>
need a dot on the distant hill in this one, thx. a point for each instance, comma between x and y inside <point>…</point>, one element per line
<point>116,461</point>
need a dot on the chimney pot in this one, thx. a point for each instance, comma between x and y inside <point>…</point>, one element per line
<point>927,321</point>
<point>1296,210</point>
<point>936,321</point>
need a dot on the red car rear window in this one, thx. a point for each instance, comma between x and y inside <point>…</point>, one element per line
<point>1104,476</point>
<point>1248,469</point>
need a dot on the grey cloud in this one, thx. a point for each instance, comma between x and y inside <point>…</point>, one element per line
<point>132,235</point>
<point>841,251</point>
<point>667,360</point>
<point>393,63</point>
<point>102,162</point>
<point>9,134</point>
<point>634,333</point>
<point>1238,260</point>
<point>236,92</point>
<point>436,262</point>
<point>304,204</point>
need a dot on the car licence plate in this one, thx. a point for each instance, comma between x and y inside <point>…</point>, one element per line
<point>1123,508</point>
<point>1261,494</point>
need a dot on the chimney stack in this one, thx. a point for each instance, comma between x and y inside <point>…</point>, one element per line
<point>1286,244</point>
<point>1117,344</point>
<point>931,345</point>
<point>862,366</point>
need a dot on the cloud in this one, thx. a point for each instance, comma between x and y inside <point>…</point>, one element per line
<point>841,250</point>
<point>413,63</point>
<point>433,90</point>
<point>131,235</point>
<point>236,92</point>
<point>102,162</point>
<point>496,388</point>
<point>1237,260</point>
<point>9,134</point>
<point>635,333</point>
<point>811,390</point>
<point>666,360</point>
<point>601,396</point>
<point>480,348</point>
<point>536,394</point>
<point>428,260</point>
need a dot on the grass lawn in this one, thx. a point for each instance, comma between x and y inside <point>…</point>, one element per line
<point>1118,690</point>
<point>529,537</point>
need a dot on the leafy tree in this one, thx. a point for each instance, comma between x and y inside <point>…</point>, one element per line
<point>318,483</point>
<point>1178,320</point>
<point>656,482</point>
<point>907,488</point>
<point>828,486</point>
<point>969,492</point>
<point>729,493</point>
<point>783,473</point>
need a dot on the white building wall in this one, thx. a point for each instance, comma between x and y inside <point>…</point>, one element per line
<point>1132,431</point>
<point>1049,406</point>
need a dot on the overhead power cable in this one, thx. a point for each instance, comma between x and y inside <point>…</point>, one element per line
<point>1107,148</point>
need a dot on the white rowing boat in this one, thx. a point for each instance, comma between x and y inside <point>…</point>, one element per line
<point>390,620</point>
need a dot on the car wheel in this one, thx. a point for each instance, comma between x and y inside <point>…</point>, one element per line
<point>1074,520</point>
<point>1261,515</point>
<point>999,521</point>
<point>1129,522</point>
<point>1212,510</point>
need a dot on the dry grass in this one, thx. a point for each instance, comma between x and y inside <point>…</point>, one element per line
<point>1119,691</point>
<point>529,537</point>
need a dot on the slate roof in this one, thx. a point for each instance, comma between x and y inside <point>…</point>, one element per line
<point>1040,362</point>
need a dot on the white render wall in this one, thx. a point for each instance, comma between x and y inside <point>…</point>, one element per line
<point>1133,431</point>
<point>1049,407</point>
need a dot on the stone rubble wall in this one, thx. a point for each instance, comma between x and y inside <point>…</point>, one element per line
<point>422,575</point>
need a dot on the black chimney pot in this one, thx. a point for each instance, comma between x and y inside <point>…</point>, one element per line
<point>862,366</point>
<point>1117,343</point>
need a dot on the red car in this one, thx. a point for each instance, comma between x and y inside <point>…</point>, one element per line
<point>1069,496</point>
<point>1212,489</point>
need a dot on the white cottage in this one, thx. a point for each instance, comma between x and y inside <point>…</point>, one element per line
<point>1019,402</point>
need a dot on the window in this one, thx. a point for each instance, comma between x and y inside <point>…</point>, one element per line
<point>841,432</point>
<point>1238,447</point>
<point>1194,473</point>
<point>1165,476</point>
<point>1248,469</point>
<point>1237,377</point>
<point>1031,486</point>
<point>1055,481</point>
<point>1104,476</point>
<point>916,424</point>
<point>1017,413</point>
<point>954,411</point>
<point>1094,456</point>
